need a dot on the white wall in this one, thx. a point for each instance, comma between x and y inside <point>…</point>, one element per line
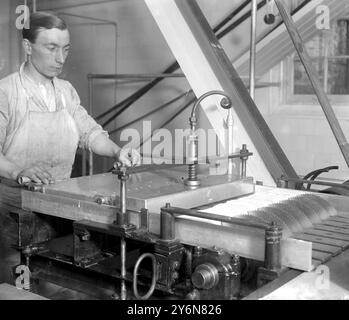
<point>5,50</point>
<point>302,129</point>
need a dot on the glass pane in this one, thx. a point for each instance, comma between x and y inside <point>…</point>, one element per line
<point>340,39</point>
<point>302,83</point>
<point>315,47</point>
<point>338,76</point>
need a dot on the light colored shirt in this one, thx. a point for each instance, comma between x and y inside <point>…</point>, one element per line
<point>14,102</point>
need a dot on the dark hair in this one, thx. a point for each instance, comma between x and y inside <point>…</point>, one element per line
<point>42,20</point>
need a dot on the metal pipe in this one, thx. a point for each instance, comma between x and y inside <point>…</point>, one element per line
<point>136,76</point>
<point>90,107</point>
<point>207,94</point>
<point>231,15</point>
<point>123,290</point>
<point>121,214</point>
<point>185,106</point>
<point>193,180</point>
<point>167,225</point>
<point>188,266</point>
<point>327,184</point>
<point>149,113</point>
<point>121,221</point>
<point>135,96</point>
<point>230,124</point>
<point>238,21</point>
<point>253,47</point>
<point>214,217</point>
<point>78,5</point>
<point>244,153</point>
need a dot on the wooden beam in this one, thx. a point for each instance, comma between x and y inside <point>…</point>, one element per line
<point>208,68</point>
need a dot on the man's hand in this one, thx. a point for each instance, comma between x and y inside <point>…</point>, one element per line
<point>128,157</point>
<point>36,174</point>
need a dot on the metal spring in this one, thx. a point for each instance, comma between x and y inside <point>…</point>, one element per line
<point>192,172</point>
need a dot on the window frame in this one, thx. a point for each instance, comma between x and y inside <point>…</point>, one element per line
<point>291,98</point>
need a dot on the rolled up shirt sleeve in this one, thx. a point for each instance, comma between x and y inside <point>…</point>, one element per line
<point>88,128</point>
<point>4,117</point>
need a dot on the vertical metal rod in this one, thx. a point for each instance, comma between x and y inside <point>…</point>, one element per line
<point>90,109</point>
<point>123,290</point>
<point>188,266</point>
<point>34,5</point>
<point>243,160</point>
<point>122,212</point>
<point>230,123</point>
<point>167,225</point>
<point>83,160</point>
<point>121,220</point>
<point>253,47</point>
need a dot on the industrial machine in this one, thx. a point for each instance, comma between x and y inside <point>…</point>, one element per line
<point>131,230</point>
<point>157,232</point>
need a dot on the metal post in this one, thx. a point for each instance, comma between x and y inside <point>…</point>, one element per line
<point>253,47</point>
<point>121,215</point>
<point>123,290</point>
<point>243,156</point>
<point>230,124</point>
<point>272,260</point>
<point>90,107</point>
<point>167,222</point>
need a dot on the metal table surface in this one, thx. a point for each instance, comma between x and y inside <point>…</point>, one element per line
<point>153,189</point>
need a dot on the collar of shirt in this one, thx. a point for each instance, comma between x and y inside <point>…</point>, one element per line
<point>46,90</point>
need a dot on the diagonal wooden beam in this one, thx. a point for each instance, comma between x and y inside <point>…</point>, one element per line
<point>207,67</point>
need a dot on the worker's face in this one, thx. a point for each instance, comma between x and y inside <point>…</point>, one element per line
<point>49,51</point>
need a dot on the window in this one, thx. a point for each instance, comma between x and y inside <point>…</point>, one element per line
<point>329,52</point>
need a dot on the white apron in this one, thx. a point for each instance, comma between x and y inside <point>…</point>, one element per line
<point>45,139</point>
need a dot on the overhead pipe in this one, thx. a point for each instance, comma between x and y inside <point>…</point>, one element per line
<point>185,106</point>
<point>150,113</point>
<point>253,47</point>
<point>240,20</point>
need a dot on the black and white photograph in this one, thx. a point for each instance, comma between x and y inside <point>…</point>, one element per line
<point>174,157</point>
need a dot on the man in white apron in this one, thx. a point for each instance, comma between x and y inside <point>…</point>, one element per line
<point>41,120</point>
